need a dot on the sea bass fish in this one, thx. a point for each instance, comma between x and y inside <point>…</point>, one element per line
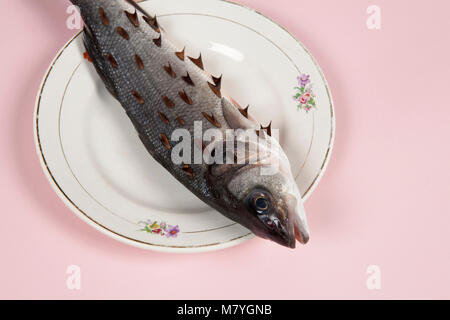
<point>162,90</point>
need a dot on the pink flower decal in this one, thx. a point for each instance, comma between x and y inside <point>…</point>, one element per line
<point>304,96</point>
<point>160,228</point>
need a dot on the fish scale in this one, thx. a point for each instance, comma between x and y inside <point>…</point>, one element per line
<point>162,89</point>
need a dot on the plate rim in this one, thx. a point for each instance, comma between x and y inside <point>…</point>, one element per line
<point>155,247</point>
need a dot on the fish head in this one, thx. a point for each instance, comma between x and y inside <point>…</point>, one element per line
<point>270,206</point>
<point>265,198</point>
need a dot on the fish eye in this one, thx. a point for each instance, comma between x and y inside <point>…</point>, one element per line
<point>259,201</point>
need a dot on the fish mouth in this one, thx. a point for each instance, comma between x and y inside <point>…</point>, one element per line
<point>286,236</point>
<point>281,232</point>
<point>301,229</point>
<point>297,219</point>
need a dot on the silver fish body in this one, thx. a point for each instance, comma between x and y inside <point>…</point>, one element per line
<point>162,89</point>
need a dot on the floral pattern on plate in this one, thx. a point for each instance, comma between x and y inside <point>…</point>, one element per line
<point>159,228</point>
<point>304,95</point>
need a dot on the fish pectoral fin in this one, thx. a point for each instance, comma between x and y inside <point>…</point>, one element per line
<point>235,116</point>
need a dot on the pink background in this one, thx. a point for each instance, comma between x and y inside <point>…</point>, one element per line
<point>384,199</point>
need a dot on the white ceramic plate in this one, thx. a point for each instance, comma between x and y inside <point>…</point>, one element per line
<point>97,165</point>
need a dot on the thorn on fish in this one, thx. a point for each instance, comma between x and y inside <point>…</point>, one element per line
<point>152,22</point>
<point>180,54</point>
<point>123,33</point>
<point>212,120</point>
<point>111,60</point>
<point>157,41</point>
<point>139,62</point>
<point>198,62</point>
<point>183,95</point>
<point>217,81</point>
<point>165,142</point>
<point>187,79</point>
<point>138,97</point>
<point>103,16</point>
<point>215,89</point>
<point>133,17</point>
<point>188,170</point>
<point>168,102</point>
<point>86,56</point>
<point>180,120</point>
<point>170,71</point>
<point>244,112</point>
<point>164,117</point>
<point>268,129</point>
